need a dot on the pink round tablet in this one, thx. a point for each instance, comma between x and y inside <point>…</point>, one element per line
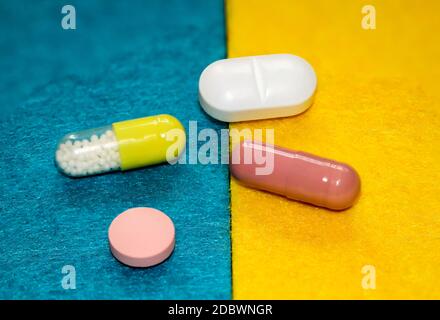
<point>141,237</point>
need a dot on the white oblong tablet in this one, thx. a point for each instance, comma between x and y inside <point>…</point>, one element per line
<point>258,87</point>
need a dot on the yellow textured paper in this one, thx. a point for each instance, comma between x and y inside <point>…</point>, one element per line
<point>377,108</point>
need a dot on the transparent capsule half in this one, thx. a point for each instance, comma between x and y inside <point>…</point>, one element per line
<point>88,152</point>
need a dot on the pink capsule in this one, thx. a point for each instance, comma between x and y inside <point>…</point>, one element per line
<point>297,175</point>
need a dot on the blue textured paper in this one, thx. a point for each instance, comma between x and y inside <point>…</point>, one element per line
<point>125,60</point>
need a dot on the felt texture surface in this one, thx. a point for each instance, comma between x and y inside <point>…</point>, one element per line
<point>377,109</point>
<point>152,55</point>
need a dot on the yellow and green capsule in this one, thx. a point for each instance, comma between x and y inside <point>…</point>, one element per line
<point>121,146</point>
